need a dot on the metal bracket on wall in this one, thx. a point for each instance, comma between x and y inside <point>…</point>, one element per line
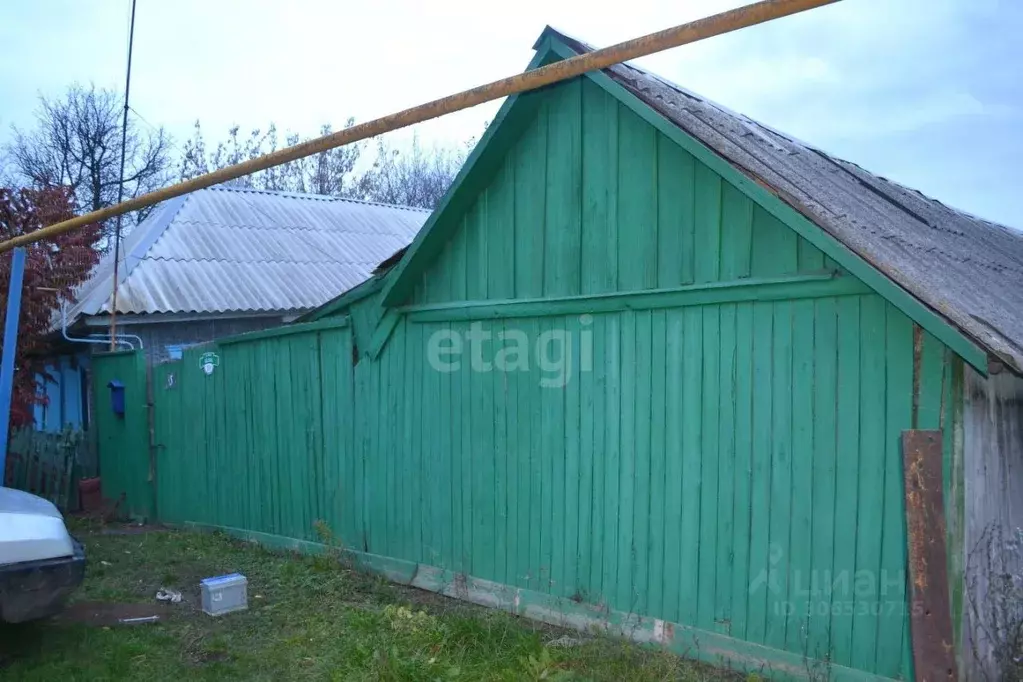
<point>930,609</point>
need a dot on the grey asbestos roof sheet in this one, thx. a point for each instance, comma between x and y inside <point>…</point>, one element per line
<point>222,250</point>
<point>967,269</point>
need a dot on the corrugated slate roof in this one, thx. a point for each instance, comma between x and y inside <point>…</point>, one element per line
<point>224,250</point>
<point>967,269</point>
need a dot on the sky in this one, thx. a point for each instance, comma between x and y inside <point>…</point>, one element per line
<point>926,92</point>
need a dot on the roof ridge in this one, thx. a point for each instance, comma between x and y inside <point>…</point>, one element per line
<point>309,196</point>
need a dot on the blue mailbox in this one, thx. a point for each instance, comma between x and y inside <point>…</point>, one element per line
<point>117,397</point>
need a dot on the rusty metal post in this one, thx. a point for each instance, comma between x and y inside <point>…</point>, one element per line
<point>930,608</point>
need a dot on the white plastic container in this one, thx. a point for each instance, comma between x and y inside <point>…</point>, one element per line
<point>224,594</point>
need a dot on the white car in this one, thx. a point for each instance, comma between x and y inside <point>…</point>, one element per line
<point>40,563</point>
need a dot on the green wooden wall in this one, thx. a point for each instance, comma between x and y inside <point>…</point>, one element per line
<point>592,199</point>
<point>723,456</point>
<point>123,441</point>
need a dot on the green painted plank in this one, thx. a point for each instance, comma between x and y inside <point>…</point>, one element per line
<point>893,624</point>
<point>598,246</point>
<point>670,210</point>
<point>570,585</point>
<point>809,257</point>
<point>771,289</point>
<point>802,493</point>
<point>847,468</point>
<point>599,450</point>
<point>625,595</point>
<point>708,225</point>
<point>528,422</point>
<point>613,447</point>
<point>674,425</point>
<point>775,250</point>
<point>736,233</point>
<point>563,224</point>
<point>637,203</point>
<point>825,416</point>
<point>586,456</point>
<point>643,420</point>
<point>780,504</point>
<point>501,233</point>
<point>539,515</point>
<point>743,470</point>
<point>726,488</point>
<point>513,470</point>
<point>870,516</point>
<point>710,456</point>
<point>692,422</point>
<point>530,196</point>
<point>658,465</point>
<point>499,480</point>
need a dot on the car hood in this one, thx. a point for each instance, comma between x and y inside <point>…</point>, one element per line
<point>31,529</point>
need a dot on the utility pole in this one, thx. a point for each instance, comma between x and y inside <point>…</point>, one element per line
<point>9,351</point>
<point>120,183</point>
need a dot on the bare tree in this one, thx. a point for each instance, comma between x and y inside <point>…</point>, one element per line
<point>331,172</point>
<point>76,143</point>
<point>414,176</point>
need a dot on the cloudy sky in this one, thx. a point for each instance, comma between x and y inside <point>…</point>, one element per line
<point>927,92</point>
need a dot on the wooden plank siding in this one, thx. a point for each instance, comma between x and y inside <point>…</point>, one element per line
<point>709,458</point>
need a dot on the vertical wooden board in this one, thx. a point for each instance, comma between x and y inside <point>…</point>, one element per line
<point>742,515</point>
<point>326,361</point>
<point>637,202</point>
<point>802,492</point>
<point>554,468</point>
<point>692,461</point>
<point>599,182</point>
<point>708,224</point>
<point>625,596</point>
<point>775,250</point>
<point>479,251</point>
<point>670,211</point>
<point>512,465</point>
<point>457,274</point>
<point>726,487</point>
<point>412,351</point>
<point>641,491</point>
<point>825,358</point>
<point>459,408</point>
<point>870,508</point>
<point>657,466</point>
<point>809,257</point>
<point>527,500</point>
<point>686,189</point>
<point>538,571</point>
<point>613,459</point>
<point>586,456</point>
<point>501,233</point>
<point>781,476</point>
<point>572,476</point>
<point>598,455</point>
<point>673,568</point>
<point>563,225</point>
<point>893,623</point>
<point>847,467</point>
<point>445,465</point>
<point>530,157</point>
<point>710,454</point>
<point>414,471</point>
<point>483,471</point>
<point>432,418</point>
<point>499,482</point>
<point>736,233</point>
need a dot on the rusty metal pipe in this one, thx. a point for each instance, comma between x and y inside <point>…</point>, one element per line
<point>725,22</point>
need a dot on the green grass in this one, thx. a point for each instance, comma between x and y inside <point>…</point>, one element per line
<point>309,618</point>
